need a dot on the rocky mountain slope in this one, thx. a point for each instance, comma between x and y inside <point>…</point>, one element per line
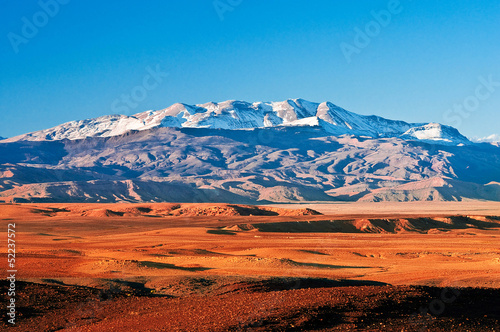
<point>262,165</point>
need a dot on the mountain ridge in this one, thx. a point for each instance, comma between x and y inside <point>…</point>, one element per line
<point>241,115</point>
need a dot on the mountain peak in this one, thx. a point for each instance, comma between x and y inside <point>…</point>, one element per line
<point>436,132</point>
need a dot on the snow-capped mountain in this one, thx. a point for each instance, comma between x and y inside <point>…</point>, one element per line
<point>435,132</point>
<point>238,115</point>
<point>239,152</point>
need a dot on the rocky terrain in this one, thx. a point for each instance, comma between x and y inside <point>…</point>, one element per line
<point>236,166</point>
<point>297,304</point>
<point>226,267</point>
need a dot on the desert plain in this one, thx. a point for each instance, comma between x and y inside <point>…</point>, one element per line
<point>223,267</point>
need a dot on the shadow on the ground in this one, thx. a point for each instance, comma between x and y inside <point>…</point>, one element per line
<point>157,265</point>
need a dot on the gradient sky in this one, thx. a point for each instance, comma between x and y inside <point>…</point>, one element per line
<point>426,58</point>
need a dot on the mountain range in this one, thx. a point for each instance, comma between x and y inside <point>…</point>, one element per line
<point>234,115</point>
<point>240,152</point>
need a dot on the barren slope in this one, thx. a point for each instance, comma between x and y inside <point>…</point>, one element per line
<point>246,167</point>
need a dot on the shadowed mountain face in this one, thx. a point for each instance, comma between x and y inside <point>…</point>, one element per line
<point>262,165</point>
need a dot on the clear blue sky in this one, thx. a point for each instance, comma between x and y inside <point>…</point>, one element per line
<point>429,57</point>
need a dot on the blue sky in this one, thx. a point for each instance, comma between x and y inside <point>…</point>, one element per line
<point>426,61</point>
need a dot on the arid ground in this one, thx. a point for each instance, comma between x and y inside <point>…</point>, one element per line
<point>218,267</point>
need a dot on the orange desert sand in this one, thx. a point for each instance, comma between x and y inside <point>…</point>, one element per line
<point>165,266</point>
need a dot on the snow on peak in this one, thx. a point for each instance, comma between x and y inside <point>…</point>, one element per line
<point>235,114</point>
<point>108,125</point>
<point>436,132</point>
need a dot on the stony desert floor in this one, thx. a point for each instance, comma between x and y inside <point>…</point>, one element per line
<point>218,267</point>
